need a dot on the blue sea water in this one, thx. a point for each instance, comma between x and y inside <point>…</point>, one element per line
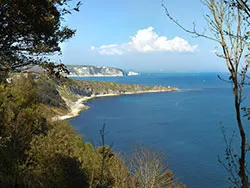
<point>185,125</point>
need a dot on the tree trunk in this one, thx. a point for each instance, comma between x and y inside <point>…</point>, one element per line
<point>242,159</point>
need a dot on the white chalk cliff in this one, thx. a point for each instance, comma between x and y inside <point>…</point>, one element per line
<point>97,71</point>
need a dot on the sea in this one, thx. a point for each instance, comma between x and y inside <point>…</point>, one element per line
<point>186,125</point>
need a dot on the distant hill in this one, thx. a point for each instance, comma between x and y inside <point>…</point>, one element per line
<point>97,71</point>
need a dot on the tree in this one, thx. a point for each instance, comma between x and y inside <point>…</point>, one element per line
<point>20,121</point>
<point>241,4</point>
<point>228,25</point>
<point>56,159</point>
<point>149,171</point>
<point>31,30</point>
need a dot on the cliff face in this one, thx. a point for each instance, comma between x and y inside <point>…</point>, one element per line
<point>88,71</point>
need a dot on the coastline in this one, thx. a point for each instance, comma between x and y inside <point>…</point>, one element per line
<point>78,106</point>
<point>96,75</point>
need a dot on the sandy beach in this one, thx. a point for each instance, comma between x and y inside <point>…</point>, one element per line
<point>78,106</point>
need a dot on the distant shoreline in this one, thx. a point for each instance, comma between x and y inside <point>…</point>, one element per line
<point>79,76</point>
<point>91,76</point>
<point>78,106</point>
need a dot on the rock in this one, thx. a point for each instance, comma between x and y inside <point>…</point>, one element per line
<point>131,73</point>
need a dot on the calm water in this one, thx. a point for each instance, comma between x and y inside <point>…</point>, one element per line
<point>185,125</point>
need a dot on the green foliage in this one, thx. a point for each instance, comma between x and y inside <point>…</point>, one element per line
<point>71,87</point>
<point>31,29</point>
<point>57,159</point>
<point>20,121</point>
<point>34,152</point>
<point>52,156</point>
<point>20,113</point>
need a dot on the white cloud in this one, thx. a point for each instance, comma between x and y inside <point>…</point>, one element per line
<point>108,46</point>
<point>146,40</point>
<point>111,49</point>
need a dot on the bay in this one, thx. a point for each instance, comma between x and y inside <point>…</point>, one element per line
<point>185,125</point>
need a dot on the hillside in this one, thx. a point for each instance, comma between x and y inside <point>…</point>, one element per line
<point>65,96</point>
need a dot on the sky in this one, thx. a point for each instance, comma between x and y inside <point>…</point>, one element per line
<point>137,35</point>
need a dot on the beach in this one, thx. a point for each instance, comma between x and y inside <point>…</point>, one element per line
<point>78,106</point>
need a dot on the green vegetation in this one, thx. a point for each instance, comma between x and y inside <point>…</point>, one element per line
<point>36,152</point>
<point>88,88</point>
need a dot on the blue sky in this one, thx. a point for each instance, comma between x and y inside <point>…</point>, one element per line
<point>137,35</point>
